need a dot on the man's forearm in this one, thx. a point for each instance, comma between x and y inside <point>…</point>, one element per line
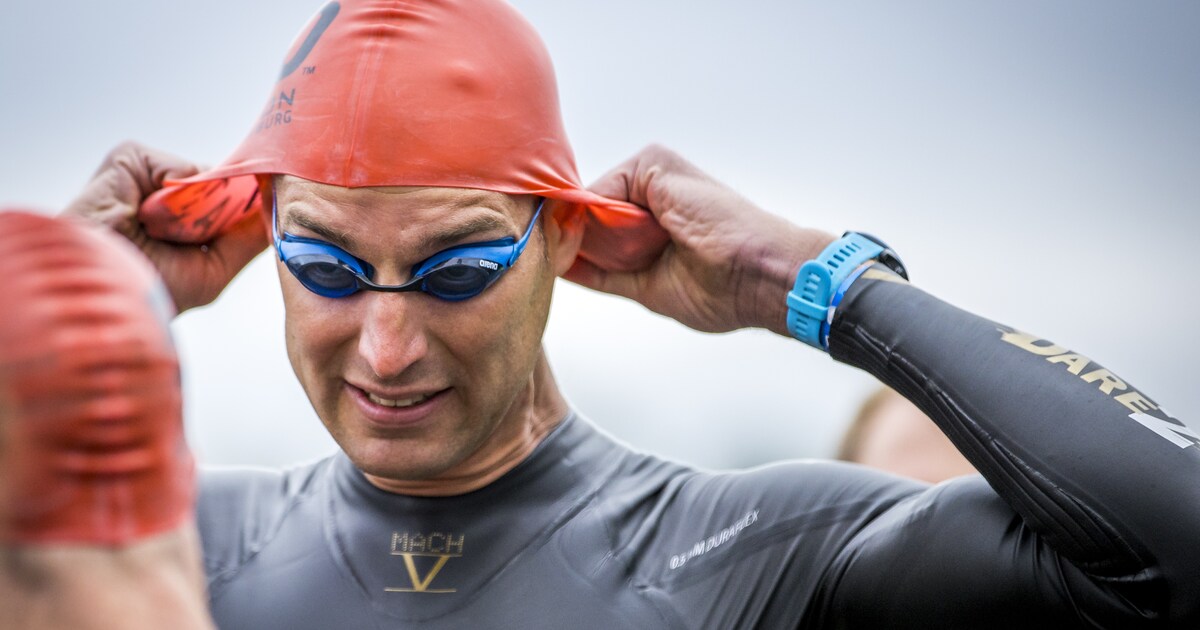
<point>1089,461</point>
<point>153,583</point>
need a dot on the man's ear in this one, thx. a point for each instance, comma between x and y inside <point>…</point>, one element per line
<point>564,233</point>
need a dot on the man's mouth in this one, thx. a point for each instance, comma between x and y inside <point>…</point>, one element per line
<point>400,402</point>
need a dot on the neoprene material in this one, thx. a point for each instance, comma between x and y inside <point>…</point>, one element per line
<point>455,93</point>
<point>1088,516</point>
<point>91,436</point>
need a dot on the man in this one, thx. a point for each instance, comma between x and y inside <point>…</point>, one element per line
<point>420,215</point>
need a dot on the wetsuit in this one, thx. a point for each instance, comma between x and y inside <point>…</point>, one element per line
<point>1088,516</point>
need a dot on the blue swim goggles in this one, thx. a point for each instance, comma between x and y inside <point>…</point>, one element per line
<point>453,274</point>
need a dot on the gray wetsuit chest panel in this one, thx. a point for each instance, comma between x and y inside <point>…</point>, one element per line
<point>585,534</point>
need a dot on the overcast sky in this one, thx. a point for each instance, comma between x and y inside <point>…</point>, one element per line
<point>1037,163</point>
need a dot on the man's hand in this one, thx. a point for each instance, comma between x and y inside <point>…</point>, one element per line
<point>729,264</point>
<point>194,274</point>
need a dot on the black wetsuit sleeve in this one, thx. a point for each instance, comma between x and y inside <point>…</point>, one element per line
<point>1103,481</point>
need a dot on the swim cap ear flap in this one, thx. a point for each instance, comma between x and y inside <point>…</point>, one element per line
<point>619,236</point>
<point>200,211</point>
<point>453,93</point>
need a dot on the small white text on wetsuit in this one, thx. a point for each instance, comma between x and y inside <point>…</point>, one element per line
<point>716,540</point>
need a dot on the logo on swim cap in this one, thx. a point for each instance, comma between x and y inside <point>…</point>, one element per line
<point>326,18</point>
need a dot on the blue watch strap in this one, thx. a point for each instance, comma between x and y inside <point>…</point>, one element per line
<point>808,301</point>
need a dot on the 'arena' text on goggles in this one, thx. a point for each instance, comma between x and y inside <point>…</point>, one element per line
<point>453,274</point>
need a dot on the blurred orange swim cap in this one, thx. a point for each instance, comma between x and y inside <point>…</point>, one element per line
<point>91,430</point>
<point>453,93</point>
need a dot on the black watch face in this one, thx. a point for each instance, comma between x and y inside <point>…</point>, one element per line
<point>893,262</point>
<point>888,256</point>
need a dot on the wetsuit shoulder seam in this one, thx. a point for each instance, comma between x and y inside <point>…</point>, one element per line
<point>222,577</point>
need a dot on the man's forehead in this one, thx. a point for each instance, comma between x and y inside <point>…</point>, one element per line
<point>436,215</point>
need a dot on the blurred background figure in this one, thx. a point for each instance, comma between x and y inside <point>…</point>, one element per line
<point>891,434</point>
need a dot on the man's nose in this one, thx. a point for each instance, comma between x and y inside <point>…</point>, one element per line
<point>393,337</point>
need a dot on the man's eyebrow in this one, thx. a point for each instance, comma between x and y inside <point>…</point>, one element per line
<point>457,234</point>
<point>446,238</point>
<point>299,219</point>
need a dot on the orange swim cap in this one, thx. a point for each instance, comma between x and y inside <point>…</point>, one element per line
<point>91,431</point>
<point>453,93</point>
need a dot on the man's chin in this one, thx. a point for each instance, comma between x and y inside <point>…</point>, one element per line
<point>401,469</point>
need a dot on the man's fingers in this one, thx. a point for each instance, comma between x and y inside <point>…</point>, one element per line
<point>146,167</point>
<point>196,274</point>
<point>237,247</point>
<point>586,274</point>
<point>615,184</point>
<point>632,179</point>
<point>128,174</point>
<point>637,180</point>
<point>110,198</point>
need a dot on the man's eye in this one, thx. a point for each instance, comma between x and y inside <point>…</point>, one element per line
<point>325,274</point>
<point>457,281</point>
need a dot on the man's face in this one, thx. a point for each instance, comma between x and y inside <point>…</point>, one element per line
<point>410,385</point>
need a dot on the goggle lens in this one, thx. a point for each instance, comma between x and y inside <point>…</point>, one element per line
<point>461,278</point>
<point>323,274</point>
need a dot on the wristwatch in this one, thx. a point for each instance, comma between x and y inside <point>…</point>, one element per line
<point>809,300</point>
